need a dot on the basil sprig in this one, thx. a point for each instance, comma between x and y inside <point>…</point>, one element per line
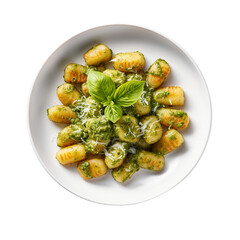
<point>102,89</point>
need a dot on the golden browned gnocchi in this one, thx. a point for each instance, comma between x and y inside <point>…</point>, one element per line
<point>126,170</point>
<point>116,154</point>
<point>70,135</point>
<point>170,141</point>
<point>129,62</point>
<point>75,73</point>
<point>97,55</point>
<point>152,130</point>
<point>173,118</point>
<point>157,73</point>
<point>68,94</point>
<point>150,160</point>
<point>61,114</point>
<point>71,154</point>
<point>92,168</point>
<point>169,96</point>
<point>115,120</point>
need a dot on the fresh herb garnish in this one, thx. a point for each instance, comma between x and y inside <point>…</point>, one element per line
<point>103,90</point>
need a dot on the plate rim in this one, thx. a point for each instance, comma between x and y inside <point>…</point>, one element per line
<point>119,25</point>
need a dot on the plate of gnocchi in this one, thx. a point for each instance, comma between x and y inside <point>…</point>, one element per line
<point>116,114</point>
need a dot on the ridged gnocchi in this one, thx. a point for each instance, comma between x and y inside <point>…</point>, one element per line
<point>61,114</point>
<point>157,73</point>
<point>75,73</point>
<point>170,141</point>
<point>71,154</point>
<point>150,160</point>
<point>68,94</point>
<point>170,96</point>
<point>129,62</point>
<point>97,55</point>
<point>173,118</point>
<point>92,168</point>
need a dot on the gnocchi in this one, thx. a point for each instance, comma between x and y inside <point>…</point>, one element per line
<point>129,62</point>
<point>97,55</point>
<point>170,141</point>
<point>71,154</point>
<point>139,137</point>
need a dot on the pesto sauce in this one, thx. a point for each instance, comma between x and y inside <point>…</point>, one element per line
<point>85,167</point>
<point>172,137</point>
<point>179,114</point>
<point>162,94</point>
<point>131,129</point>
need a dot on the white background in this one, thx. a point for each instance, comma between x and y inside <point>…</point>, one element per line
<point>206,205</point>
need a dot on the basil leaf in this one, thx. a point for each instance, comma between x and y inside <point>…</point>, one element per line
<point>101,87</point>
<point>113,112</point>
<point>128,93</point>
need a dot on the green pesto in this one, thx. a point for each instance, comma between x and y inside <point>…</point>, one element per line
<point>159,71</point>
<point>162,94</point>
<point>68,89</point>
<point>86,108</point>
<point>78,132</point>
<point>99,128</point>
<point>85,167</point>
<point>127,169</point>
<point>172,137</point>
<point>118,152</point>
<point>179,113</point>
<point>146,97</point>
<point>118,77</point>
<point>135,76</point>
<point>180,124</point>
<point>131,129</point>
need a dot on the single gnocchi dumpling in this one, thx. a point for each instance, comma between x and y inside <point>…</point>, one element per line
<point>129,62</point>
<point>126,170</point>
<point>151,128</point>
<point>127,129</point>
<point>71,154</point>
<point>173,118</point>
<point>68,94</point>
<point>117,76</point>
<point>150,160</point>
<point>75,73</point>
<point>170,141</point>
<point>157,73</point>
<point>116,154</point>
<point>61,114</point>
<point>70,135</point>
<point>92,168</point>
<point>97,55</point>
<point>173,96</point>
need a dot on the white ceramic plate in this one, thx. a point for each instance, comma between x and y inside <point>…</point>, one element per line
<point>145,184</point>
